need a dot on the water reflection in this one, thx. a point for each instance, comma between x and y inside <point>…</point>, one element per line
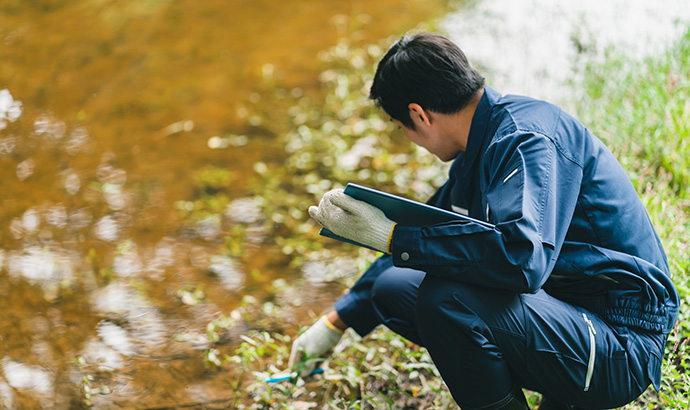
<point>27,377</point>
<point>106,357</point>
<point>532,47</point>
<point>25,169</point>
<point>48,128</point>
<point>116,299</point>
<point>56,215</point>
<point>244,210</point>
<point>6,396</point>
<point>72,183</point>
<point>107,228</point>
<point>134,325</point>
<point>7,145</point>
<point>329,269</point>
<point>10,109</point>
<point>226,269</point>
<point>41,266</point>
<point>127,262</point>
<point>78,137</point>
<point>160,258</point>
<point>115,337</point>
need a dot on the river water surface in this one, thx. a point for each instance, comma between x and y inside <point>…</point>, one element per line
<point>108,110</point>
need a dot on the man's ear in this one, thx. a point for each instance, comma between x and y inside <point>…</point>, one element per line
<point>417,114</point>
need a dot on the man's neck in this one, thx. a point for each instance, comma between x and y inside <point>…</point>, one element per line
<point>462,121</point>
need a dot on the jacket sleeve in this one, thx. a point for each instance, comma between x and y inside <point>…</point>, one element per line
<point>531,190</point>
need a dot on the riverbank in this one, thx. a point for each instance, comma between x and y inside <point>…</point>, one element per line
<point>639,110</point>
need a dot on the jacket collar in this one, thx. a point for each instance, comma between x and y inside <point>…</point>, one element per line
<point>480,121</point>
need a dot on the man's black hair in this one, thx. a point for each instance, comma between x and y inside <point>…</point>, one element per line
<point>427,69</point>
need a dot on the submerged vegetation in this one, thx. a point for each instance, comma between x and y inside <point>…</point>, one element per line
<point>639,110</point>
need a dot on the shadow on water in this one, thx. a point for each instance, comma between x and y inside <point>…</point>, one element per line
<point>128,146</point>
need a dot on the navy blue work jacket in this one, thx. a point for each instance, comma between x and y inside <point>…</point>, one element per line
<point>565,217</point>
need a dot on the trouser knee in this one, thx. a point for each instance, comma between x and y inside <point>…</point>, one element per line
<point>450,318</point>
<point>396,289</point>
<point>393,298</point>
<point>432,308</point>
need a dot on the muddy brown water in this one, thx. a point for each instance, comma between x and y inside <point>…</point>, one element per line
<point>106,110</point>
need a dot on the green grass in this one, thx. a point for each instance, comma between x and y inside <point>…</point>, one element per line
<point>642,112</point>
<point>640,109</point>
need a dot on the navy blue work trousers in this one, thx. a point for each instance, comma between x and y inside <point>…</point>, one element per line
<point>488,343</point>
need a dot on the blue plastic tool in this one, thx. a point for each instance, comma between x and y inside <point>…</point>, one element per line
<point>281,377</point>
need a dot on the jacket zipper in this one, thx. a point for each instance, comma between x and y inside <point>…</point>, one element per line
<point>592,352</point>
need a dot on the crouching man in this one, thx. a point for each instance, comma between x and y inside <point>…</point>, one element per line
<point>566,291</point>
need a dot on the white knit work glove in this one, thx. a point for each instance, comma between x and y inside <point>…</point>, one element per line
<point>353,219</point>
<point>310,347</point>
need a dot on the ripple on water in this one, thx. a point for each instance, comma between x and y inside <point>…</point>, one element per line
<point>10,109</point>
<point>107,229</point>
<point>225,268</point>
<point>134,325</point>
<point>105,356</point>
<point>245,210</point>
<point>115,337</point>
<point>321,271</point>
<point>26,377</point>
<point>41,265</point>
